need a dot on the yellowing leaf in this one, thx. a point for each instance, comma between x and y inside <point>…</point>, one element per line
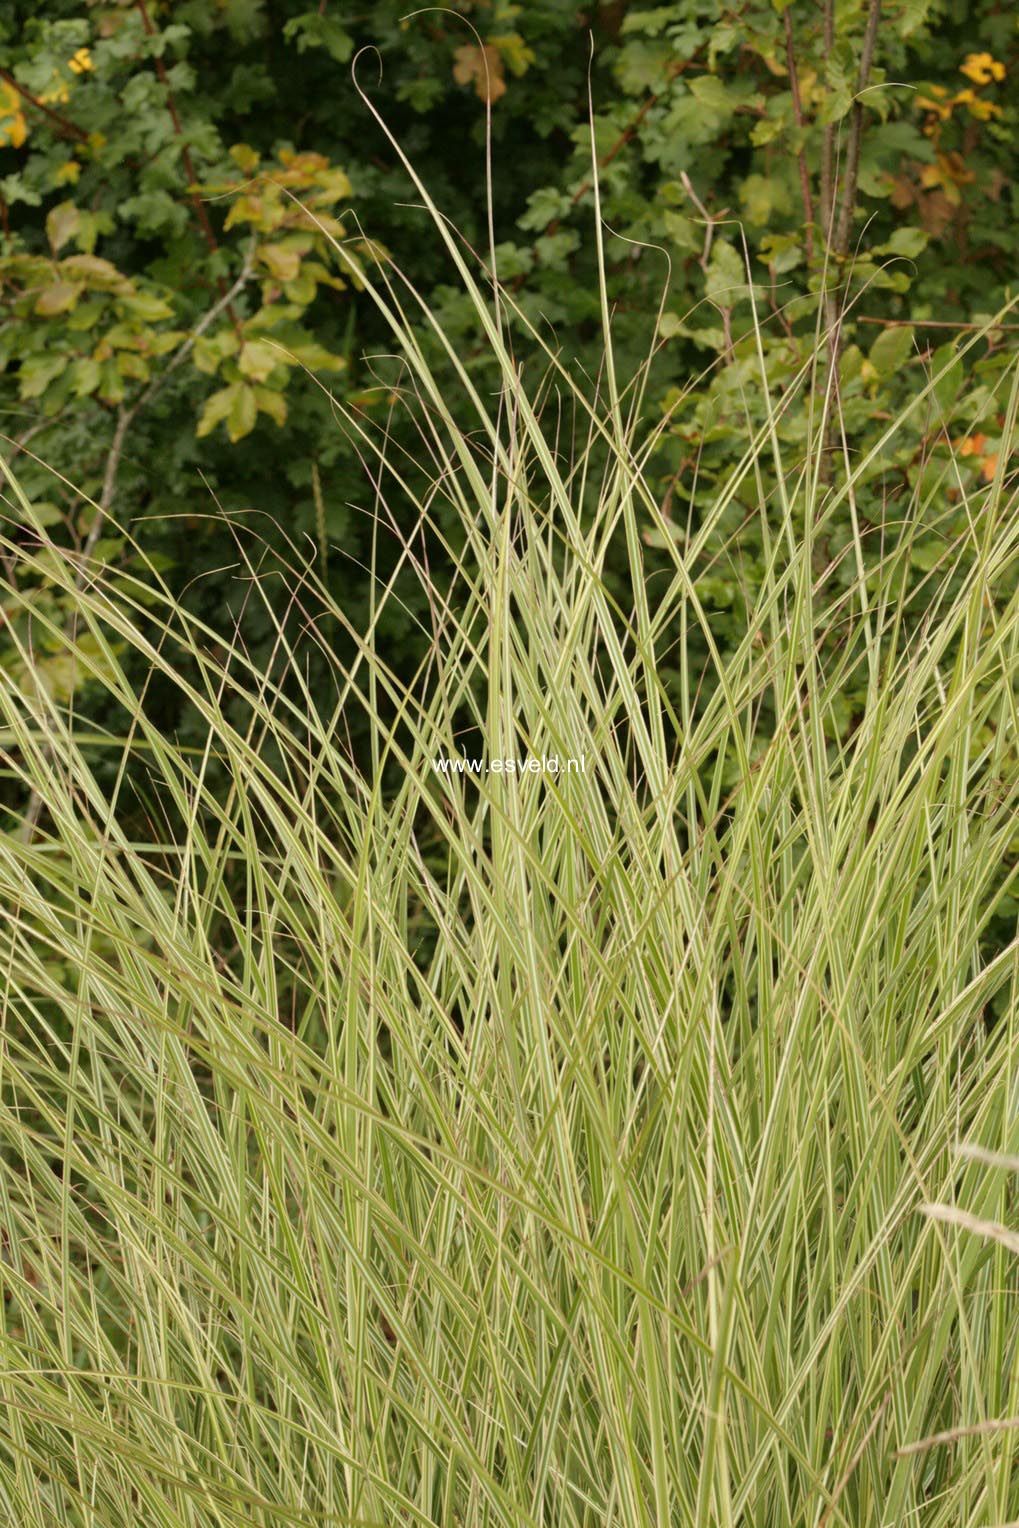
<point>515,51</point>
<point>955,168</point>
<point>306,163</point>
<point>950,172</point>
<point>251,209</point>
<point>316,357</point>
<point>243,412</point>
<point>257,359</point>
<point>37,372</point>
<point>236,405</point>
<point>87,376</point>
<point>245,157</point>
<point>209,354</point>
<point>111,387</point>
<point>62,223</point>
<point>56,675</point>
<point>273,404</point>
<point>978,107</point>
<point>14,130</point>
<point>318,223</point>
<point>282,262</point>
<point>58,298</point>
<point>147,306</point>
<point>81,62</point>
<point>12,119</point>
<point>323,275</point>
<point>164,342</point>
<point>482,67</point>
<point>133,366</point>
<point>97,273</point>
<point>301,290</point>
<point>216,409</point>
<point>331,185</point>
<point>943,108</point>
<point>981,68</point>
<point>57,95</point>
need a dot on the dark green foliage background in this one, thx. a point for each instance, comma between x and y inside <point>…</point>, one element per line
<point>710,129</point>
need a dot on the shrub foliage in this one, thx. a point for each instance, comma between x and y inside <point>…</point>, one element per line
<point>172,174</point>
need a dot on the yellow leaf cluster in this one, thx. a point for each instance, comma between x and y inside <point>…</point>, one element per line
<point>59,93</point>
<point>949,172</point>
<point>12,119</point>
<point>935,102</point>
<point>13,127</point>
<point>978,107</point>
<point>981,68</point>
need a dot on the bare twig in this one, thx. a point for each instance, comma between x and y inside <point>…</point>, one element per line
<point>67,128</point>
<point>849,185</point>
<point>827,218</point>
<point>104,506</point>
<point>839,246</point>
<point>20,443</point>
<point>126,417</point>
<point>794,85</point>
<point>709,219</point>
<point>198,206</point>
<point>934,323</point>
<point>828,139</point>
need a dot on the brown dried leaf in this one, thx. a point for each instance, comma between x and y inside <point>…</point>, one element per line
<point>902,194</point>
<point>936,212</point>
<point>58,298</point>
<point>483,67</point>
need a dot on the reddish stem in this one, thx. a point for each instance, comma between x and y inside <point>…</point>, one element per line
<point>208,232</point>
<point>70,129</point>
<point>794,85</point>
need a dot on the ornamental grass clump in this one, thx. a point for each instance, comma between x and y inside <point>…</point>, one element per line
<point>385,1144</point>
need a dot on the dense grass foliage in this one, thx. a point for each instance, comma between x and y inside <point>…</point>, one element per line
<point>628,1146</point>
